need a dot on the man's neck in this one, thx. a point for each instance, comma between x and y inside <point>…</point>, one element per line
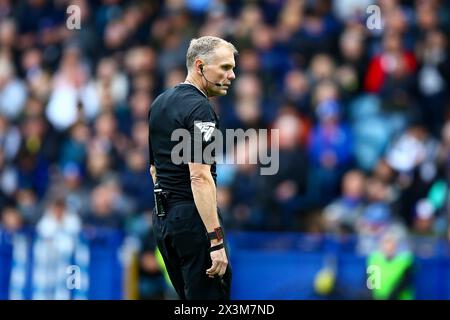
<point>196,83</point>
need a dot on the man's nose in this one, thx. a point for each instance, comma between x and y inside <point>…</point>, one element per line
<point>231,75</point>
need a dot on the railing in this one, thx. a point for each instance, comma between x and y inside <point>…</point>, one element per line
<point>284,266</point>
<point>98,274</point>
<point>265,266</point>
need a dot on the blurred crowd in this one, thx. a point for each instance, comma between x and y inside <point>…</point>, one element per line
<point>363,114</point>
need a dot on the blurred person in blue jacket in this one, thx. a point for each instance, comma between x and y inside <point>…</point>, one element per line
<point>135,180</point>
<point>77,191</point>
<point>74,147</point>
<point>330,151</point>
<point>14,243</point>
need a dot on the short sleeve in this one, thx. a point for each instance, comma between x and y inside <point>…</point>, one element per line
<point>203,125</point>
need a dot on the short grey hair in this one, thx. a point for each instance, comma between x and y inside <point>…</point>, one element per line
<point>204,47</point>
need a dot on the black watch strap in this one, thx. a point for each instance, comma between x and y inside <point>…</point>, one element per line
<point>217,247</point>
<point>216,234</point>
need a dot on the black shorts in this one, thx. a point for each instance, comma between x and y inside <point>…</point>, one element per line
<point>183,242</point>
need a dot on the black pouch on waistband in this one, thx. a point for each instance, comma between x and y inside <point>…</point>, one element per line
<point>160,201</point>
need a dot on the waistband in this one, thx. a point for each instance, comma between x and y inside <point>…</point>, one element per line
<point>172,200</point>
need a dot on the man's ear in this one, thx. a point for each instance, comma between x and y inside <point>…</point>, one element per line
<point>200,66</point>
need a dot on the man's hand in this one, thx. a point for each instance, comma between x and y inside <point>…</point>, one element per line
<point>219,263</point>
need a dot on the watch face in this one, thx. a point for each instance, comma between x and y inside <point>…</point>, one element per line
<point>219,233</point>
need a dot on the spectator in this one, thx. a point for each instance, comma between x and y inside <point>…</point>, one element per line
<point>109,82</point>
<point>246,210</point>
<point>136,182</point>
<point>414,156</point>
<point>62,108</point>
<point>286,190</point>
<point>11,219</point>
<point>394,58</point>
<point>13,91</point>
<point>330,151</point>
<point>394,270</point>
<point>341,215</point>
<point>56,239</point>
<point>72,184</point>
<point>74,149</point>
<point>152,284</point>
<point>10,139</point>
<point>423,223</point>
<point>349,102</point>
<point>101,213</point>
<point>433,76</point>
<point>8,180</point>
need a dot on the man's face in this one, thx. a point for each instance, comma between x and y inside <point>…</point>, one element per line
<point>389,247</point>
<point>220,70</point>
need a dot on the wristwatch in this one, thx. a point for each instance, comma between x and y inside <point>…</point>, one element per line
<point>216,234</point>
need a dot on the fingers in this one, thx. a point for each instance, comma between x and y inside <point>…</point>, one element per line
<point>213,270</point>
<point>223,270</point>
<point>219,264</point>
<point>223,267</point>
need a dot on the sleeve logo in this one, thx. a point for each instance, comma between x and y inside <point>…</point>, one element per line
<point>207,129</point>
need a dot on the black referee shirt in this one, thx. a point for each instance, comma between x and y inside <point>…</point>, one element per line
<point>183,106</point>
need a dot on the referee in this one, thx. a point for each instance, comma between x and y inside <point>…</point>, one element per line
<point>186,221</point>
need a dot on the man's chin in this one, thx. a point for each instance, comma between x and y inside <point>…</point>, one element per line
<point>222,92</point>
